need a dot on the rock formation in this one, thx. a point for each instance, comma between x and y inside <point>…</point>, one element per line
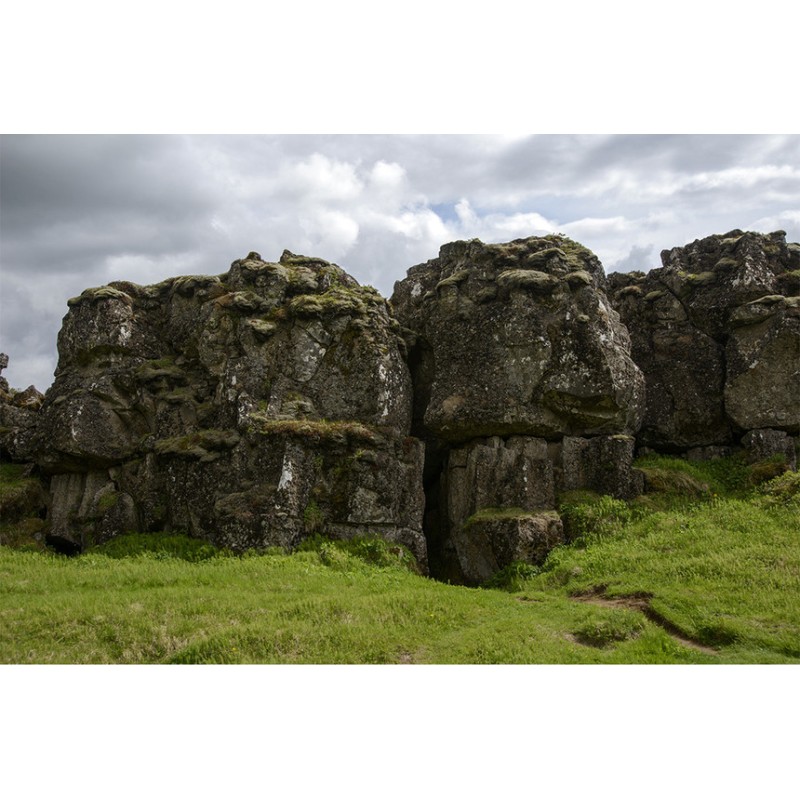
<point>523,386</point>
<point>282,400</point>
<point>716,332</point>
<point>252,409</point>
<point>18,418</point>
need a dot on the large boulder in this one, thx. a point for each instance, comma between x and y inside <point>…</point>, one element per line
<point>514,348</point>
<point>252,408</point>
<point>716,331</point>
<point>517,338</point>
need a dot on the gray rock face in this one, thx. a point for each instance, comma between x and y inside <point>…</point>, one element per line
<point>490,487</point>
<point>716,332</point>
<point>514,347</point>
<point>494,540</point>
<point>761,445</point>
<point>517,339</point>
<point>602,463</point>
<point>276,401</point>
<point>19,415</point>
<point>252,408</point>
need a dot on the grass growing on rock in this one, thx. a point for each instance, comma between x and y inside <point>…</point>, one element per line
<point>713,578</point>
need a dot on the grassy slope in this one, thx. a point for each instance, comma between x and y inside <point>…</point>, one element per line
<point>723,570</point>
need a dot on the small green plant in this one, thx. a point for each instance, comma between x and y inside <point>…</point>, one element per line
<point>107,502</point>
<point>781,491</point>
<point>611,630</point>
<point>371,550</point>
<point>512,578</point>
<point>158,545</point>
<point>768,469</point>
<point>603,517</point>
<point>313,517</point>
<point>679,476</point>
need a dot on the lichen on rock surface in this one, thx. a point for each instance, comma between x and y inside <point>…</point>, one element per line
<point>512,348</point>
<point>716,331</point>
<point>19,416</point>
<point>282,400</point>
<point>520,344</point>
<point>224,405</point>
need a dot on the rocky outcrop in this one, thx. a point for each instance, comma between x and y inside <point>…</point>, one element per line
<point>282,400</point>
<point>716,332</point>
<point>253,408</point>
<point>517,339</point>
<point>522,381</point>
<point>19,415</point>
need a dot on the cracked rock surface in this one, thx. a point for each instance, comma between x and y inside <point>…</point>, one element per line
<point>253,408</point>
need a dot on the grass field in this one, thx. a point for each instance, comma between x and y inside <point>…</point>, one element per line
<point>704,570</point>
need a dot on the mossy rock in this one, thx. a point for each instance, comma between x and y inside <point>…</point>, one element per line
<point>453,280</point>
<point>701,278</point>
<point>188,285</point>
<point>673,481</point>
<point>651,297</point>
<point>19,496</point>
<point>316,430</point>
<point>768,300</point>
<point>543,257</point>
<point>578,278</point>
<point>100,293</point>
<point>491,514</point>
<point>204,445</point>
<point>302,280</point>
<point>767,470</point>
<point>528,280</point>
<point>162,370</point>
<point>337,301</point>
<point>263,328</point>
<point>243,302</point>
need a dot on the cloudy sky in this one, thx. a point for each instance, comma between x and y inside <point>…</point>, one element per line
<point>80,211</point>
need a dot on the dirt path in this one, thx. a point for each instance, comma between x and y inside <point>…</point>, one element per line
<point>641,602</point>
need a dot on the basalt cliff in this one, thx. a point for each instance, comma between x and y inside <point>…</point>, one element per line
<point>282,400</point>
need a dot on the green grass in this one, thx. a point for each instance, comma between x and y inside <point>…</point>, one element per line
<point>20,501</point>
<point>721,569</point>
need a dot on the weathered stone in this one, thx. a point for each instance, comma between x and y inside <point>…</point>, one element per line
<point>761,445</point>
<point>282,483</point>
<point>252,409</point>
<point>763,369</point>
<point>274,402</point>
<point>494,538</point>
<point>708,453</point>
<point>544,356</point>
<point>513,475</point>
<point>18,419</point>
<point>602,463</point>
<point>509,346</point>
<point>716,334</point>
<point>496,473</point>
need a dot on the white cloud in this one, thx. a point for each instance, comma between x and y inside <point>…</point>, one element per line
<point>333,232</point>
<point>741,177</point>
<point>386,174</point>
<point>591,226</point>
<point>320,178</point>
<point>788,221</point>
